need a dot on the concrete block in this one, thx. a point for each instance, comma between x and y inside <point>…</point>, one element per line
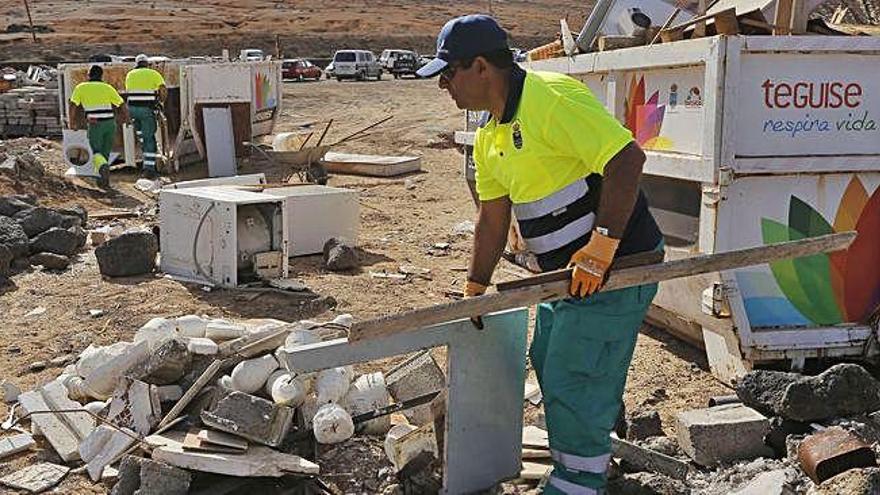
<point>15,444</point>
<point>722,434</point>
<point>417,376</point>
<point>36,478</point>
<point>60,435</point>
<point>139,476</point>
<point>202,346</point>
<point>404,443</point>
<point>250,417</point>
<point>257,461</point>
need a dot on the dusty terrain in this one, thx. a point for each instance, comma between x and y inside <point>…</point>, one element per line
<point>401,219</point>
<point>304,28</point>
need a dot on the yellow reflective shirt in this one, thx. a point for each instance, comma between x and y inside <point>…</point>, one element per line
<point>559,134</point>
<point>95,95</point>
<point>143,79</point>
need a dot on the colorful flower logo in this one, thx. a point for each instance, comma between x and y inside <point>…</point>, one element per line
<point>645,118</point>
<point>264,90</point>
<point>844,286</point>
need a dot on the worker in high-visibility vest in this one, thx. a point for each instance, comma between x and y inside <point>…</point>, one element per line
<point>145,92</point>
<point>99,104</point>
<point>570,172</point>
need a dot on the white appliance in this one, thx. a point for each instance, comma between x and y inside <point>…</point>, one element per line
<point>316,213</point>
<point>212,234</point>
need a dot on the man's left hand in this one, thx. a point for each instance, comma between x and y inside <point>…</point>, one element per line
<point>591,264</point>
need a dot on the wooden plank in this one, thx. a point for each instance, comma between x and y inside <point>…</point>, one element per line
<point>534,470</point>
<point>672,323</point>
<point>700,27</point>
<point>525,296</point>
<point>782,19</point>
<point>724,21</point>
<point>616,42</point>
<point>190,394</point>
<point>649,460</point>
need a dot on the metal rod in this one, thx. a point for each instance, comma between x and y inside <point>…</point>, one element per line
<point>27,8</point>
<point>367,128</point>
<point>321,140</point>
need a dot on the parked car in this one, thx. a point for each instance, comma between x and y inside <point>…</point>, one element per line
<point>328,71</point>
<point>404,63</point>
<point>356,64</point>
<point>388,57</point>
<point>251,55</point>
<point>299,69</point>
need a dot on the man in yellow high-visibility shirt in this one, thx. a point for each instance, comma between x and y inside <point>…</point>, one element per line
<point>145,91</point>
<point>570,172</point>
<point>100,105</point>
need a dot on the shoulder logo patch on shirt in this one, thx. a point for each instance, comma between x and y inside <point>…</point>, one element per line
<point>517,135</point>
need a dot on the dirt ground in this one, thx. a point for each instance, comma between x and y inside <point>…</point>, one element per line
<point>305,28</point>
<point>401,221</point>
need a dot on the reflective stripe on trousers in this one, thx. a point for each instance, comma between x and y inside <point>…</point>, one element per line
<point>570,488</point>
<point>594,464</point>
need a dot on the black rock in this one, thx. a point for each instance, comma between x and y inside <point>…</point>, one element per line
<point>13,236</point>
<point>56,240</point>
<point>642,426</point>
<point>780,429</point>
<point>132,253</point>
<point>841,390</point>
<point>75,211</point>
<point>10,206</point>
<point>762,390</point>
<point>5,260</point>
<point>338,256</point>
<point>38,220</point>
<point>50,261</point>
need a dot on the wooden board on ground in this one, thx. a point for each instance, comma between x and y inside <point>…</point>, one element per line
<point>535,438</point>
<point>372,165</point>
<point>534,470</point>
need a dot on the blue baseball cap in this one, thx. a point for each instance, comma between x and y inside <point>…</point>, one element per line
<point>465,37</point>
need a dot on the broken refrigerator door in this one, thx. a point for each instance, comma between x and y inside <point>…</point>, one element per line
<point>222,236</point>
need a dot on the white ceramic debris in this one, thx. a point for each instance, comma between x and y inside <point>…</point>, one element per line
<point>366,394</point>
<point>332,385</point>
<point>289,391</point>
<point>191,326</point>
<point>332,424</point>
<point>250,375</point>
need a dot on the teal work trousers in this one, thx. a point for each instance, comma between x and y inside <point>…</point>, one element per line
<point>145,126</point>
<point>581,352</point>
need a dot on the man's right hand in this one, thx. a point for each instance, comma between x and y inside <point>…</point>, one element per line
<point>474,289</point>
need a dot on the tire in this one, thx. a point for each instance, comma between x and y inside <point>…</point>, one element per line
<point>379,76</point>
<point>361,76</point>
<point>300,78</point>
<point>338,79</point>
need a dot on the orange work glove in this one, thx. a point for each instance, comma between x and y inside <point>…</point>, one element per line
<point>474,289</point>
<point>591,263</point>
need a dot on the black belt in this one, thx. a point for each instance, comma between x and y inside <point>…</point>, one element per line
<point>141,103</point>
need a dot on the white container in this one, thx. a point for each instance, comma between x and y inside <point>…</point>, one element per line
<point>332,424</point>
<point>211,234</point>
<point>366,394</point>
<point>314,214</point>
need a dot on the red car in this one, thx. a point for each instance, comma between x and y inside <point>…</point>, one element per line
<point>299,69</point>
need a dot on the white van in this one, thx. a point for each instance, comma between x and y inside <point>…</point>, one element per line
<point>356,64</point>
<point>251,55</point>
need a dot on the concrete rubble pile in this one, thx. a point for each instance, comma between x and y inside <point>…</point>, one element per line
<point>194,399</point>
<point>33,235</point>
<point>29,103</point>
<point>783,433</point>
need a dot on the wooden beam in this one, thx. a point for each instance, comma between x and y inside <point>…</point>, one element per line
<point>525,296</point>
<point>614,42</point>
<point>700,27</point>
<point>782,19</point>
<point>649,460</point>
<point>630,261</point>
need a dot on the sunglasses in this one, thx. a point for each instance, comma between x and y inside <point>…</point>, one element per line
<point>449,72</point>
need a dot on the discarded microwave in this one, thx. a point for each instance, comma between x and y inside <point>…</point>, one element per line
<point>222,235</point>
<point>316,213</point>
